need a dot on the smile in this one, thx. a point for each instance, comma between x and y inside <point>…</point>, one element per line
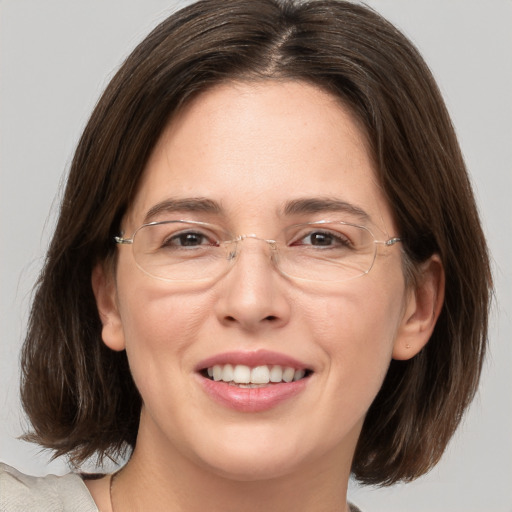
<point>244,376</point>
<point>253,381</point>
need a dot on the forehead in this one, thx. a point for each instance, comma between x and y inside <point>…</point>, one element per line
<point>252,148</point>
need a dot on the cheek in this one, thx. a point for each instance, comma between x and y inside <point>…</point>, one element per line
<point>363,314</point>
<point>357,330</point>
<point>158,327</point>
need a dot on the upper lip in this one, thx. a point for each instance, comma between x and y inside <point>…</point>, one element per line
<point>252,358</point>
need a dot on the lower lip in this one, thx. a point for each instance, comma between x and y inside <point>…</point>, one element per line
<point>252,399</point>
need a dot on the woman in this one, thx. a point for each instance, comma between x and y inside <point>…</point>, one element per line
<point>263,277</point>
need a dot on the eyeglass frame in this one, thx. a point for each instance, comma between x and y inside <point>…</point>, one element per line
<point>274,245</point>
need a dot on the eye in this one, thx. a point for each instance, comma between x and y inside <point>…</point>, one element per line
<point>323,239</point>
<point>188,239</point>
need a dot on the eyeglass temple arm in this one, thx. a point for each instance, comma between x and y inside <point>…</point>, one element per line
<point>391,241</point>
<point>121,240</point>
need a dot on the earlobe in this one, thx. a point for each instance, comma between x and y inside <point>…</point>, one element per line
<point>104,289</point>
<point>422,310</point>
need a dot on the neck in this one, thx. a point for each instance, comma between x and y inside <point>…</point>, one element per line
<point>156,479</point>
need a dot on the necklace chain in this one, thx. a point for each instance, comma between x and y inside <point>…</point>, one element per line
<point>112,478</point>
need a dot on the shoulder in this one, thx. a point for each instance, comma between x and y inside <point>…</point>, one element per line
<point>20,492</point>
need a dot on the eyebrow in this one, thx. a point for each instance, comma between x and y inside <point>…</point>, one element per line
<point>188,204</point>
<point>295,207</point>
<point>323,204</point>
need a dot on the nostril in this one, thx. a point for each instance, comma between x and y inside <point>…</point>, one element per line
<point>269,318</point>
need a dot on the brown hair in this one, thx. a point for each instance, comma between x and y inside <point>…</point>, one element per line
<point>79,395</point>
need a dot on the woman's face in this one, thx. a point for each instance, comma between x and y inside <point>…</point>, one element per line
<point>243,156</point>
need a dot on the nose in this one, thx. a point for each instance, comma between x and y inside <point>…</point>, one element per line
<point>253,293</point>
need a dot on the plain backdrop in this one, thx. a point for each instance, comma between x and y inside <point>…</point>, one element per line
<point>56,56</point>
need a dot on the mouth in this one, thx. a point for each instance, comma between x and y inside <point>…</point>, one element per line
<point>243,376</point>
<point>254,381</point>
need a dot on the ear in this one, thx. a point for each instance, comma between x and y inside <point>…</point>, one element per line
<point>104,288</point>
<point>422,309</point>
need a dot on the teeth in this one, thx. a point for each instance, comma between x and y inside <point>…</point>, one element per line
<point>260,375</point>
<point>246,376</point>
<point>276,374</point>
<point>217,372</point>
<point>288,374</point>
<point>298,374</point>
<point>227,373</point>
<point>242,374</point>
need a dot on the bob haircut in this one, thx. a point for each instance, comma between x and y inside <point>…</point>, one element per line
<point>79,395</point>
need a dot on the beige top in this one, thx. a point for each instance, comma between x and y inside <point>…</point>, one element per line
<point>68,493</point>
<point>23,493</point>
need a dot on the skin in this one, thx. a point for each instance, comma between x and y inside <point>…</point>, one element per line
<point>251,147</point>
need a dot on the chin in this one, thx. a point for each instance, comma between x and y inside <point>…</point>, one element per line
<point>255,469</point>
<point>260,456</point>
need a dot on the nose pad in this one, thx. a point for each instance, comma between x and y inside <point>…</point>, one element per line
<point>237,247</point>
<point>233,252</point>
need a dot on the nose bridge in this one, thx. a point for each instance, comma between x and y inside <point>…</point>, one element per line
<point>252,293</point>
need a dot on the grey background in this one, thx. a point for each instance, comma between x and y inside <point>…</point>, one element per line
<point>56,57</point>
